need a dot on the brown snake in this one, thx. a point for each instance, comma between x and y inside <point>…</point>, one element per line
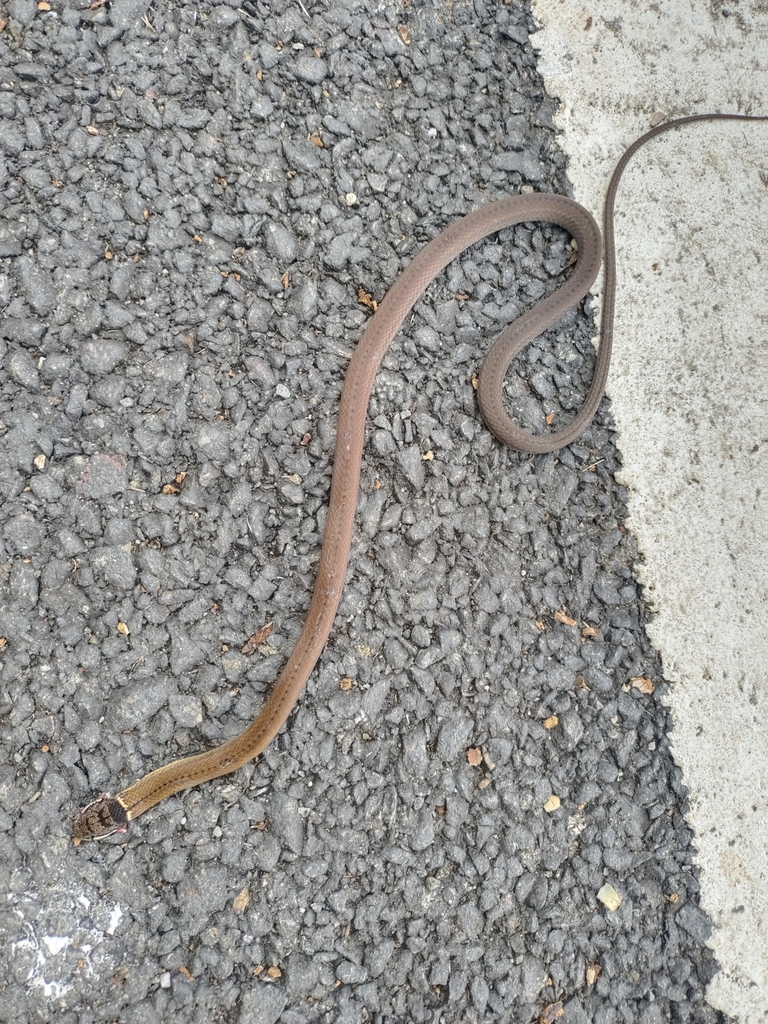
<point>109,814</point>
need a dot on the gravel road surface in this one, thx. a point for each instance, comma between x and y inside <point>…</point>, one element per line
<point>199,203</point>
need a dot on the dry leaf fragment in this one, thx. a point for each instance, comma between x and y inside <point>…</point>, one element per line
<point>565,619</point>
<point>593,973</point>
<point>345,683</point>
<point>257,639</point>
<point>552,804</point>
<point>474,756</point>
<point>475,381</point>
<point>366,299</point>
<point>170,489</point>
<point>241,901</point>
<point>257,970</point>
<point>540,625</point>
<point>549,419</point>
<point>306,438</point>
<point>274,972</point>
<point>551,1013</point>
<point>186,973</point>
<point>589,631</point>
<point>551,722</point>
<point>285,280</point>
<point>642,683</point>
<point>609,897</point>
<point>3,642</point>
<point>316,141</point>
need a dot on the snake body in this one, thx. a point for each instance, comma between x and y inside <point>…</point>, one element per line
<point>109,814</point>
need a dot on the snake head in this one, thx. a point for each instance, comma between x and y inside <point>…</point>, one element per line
<point>103,817</point>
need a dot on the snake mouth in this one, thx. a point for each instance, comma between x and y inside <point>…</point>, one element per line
<point>101,818</point>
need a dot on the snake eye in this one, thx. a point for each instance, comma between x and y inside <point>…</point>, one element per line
<point>101,818</point>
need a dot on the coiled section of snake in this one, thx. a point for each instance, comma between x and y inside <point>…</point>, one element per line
<point>108,814</point>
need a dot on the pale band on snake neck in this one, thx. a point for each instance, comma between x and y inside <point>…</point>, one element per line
<point>110,814</point>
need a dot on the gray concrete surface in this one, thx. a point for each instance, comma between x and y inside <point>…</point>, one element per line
<point>689,392</point>
<point>179,289</point>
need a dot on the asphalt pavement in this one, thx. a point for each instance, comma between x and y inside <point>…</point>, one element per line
<point>473,815</point>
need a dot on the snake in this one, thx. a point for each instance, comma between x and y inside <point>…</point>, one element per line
<point>107,814</point>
